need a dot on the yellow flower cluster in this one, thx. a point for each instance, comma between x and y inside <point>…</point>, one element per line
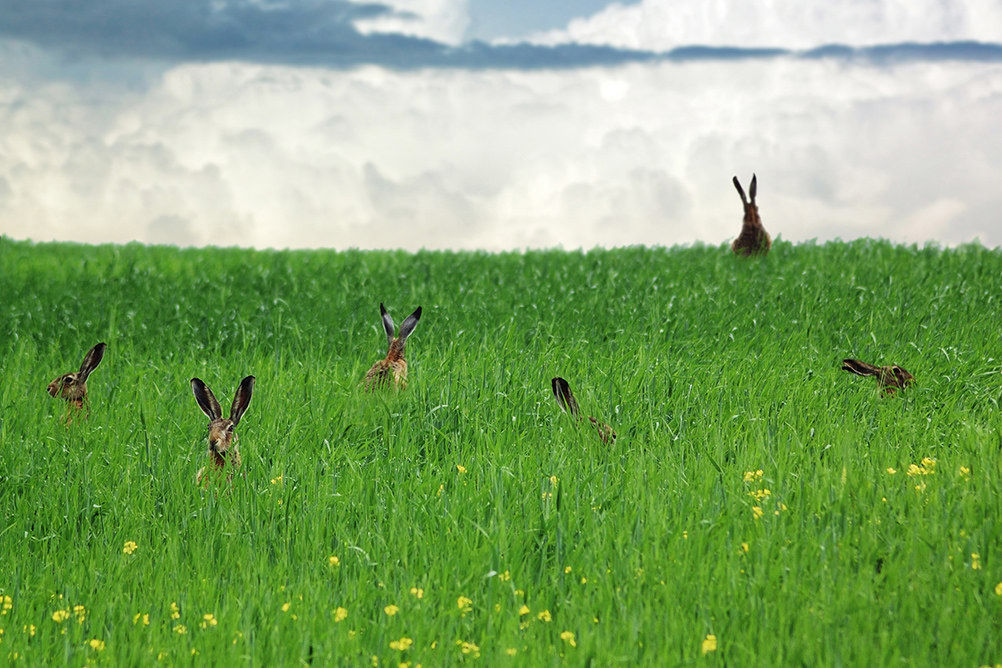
<point>95,644</point>
<point>464,604</point>
<point>709,643</point>
<point>208,619</point>
<point>130,547</point>
<point>468,648</point>
<point>139,616</point>
<point>391,610</point>
<point>568,637</point>
<point>340,614</point>
<point>333,560</point>
<point>760,494</point>
<point>928,467</point>
<point>417,592</point>
<point>6,603</point>
<point>752,476</point>
<point>401,645</point>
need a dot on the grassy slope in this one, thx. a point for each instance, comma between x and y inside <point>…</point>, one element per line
<point>708,366</point>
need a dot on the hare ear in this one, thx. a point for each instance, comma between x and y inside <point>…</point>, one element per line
<point>562,391</point>
<point>858,368</point>
<point>741,191</point>
<point>410,322</point>
<point>388,325</point>
<point>91,360</point>
<point>242,399</point>
<point>754,188</point>
<point>205,399</point>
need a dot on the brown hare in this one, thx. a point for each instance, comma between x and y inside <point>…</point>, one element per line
<point>223,446</point>
<point>562,391</point>
<point>394,364</point>
<point>753,240</point>
<point>73,386</point>
<point>889,378</point>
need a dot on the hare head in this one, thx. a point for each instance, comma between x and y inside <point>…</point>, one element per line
<point>562,391</point>
<point>222,438</point>
<point>73,386</point>
<point>394,363</point>
<point>889,378</point>
<point>753,240</point>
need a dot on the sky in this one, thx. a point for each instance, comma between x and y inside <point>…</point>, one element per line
<point>478,124</point>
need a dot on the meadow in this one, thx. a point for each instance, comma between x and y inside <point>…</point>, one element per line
<point>759,507</point>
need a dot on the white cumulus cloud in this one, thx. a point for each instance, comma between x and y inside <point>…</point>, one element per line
<point>659,25</point>
<point>270,156</point>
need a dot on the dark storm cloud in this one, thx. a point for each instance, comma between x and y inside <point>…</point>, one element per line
<point>322,33</point>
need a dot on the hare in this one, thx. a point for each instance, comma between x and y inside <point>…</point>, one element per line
<point>562,391</point>
<point>753,240</point>
<point>222,439</point>
<point>73,386</point>
<point>889,378</point>
<point>395,364</point>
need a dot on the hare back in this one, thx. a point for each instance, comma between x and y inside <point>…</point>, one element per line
<point>752,241</point>
<point>383,370</point>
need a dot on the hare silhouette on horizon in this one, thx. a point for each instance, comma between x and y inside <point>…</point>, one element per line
<point>753,240</point>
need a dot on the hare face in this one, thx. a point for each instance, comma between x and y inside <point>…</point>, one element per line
<point>68,387</point>
<point>221,437</point>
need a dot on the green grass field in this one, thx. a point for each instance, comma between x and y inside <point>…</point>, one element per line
<point>499,530</point>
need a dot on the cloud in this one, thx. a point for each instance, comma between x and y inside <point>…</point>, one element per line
<point>256,155</point>
<point>444,21</point>
<point>662,25</point>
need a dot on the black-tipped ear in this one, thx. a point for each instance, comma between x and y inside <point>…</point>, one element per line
<point>388,325</point>
<point>859,368</point>
<point>754,188</point>
<point>741,191</point>
<point>562,391</point>
<point>242,399</point>
<point>205,399</point>
<point>409,324</point>
<point>91,360</point>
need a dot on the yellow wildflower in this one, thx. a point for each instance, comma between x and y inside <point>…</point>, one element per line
<point>511,651</point>
<point>401,645</point>
<point>756,512</point>
<point>505,577</point>
<point>544,616</point>
<point>285,606</point>
<point>752,476</point>
<point>891,471</point>
<point>175,612</point>
<point>60,615</point>
<point>30,630</point>
<point>180,629</point>
<point>685,535</point>
<point>975,561</point>
<point>964,472</point>
<point>417,592</point>
<point>208,619</point>
<point>744,546</point>
<point>469,648</point>
<point>998,589</point>
<point>340,614</point>
<point>463,604</point>
<point>333,560</point>
<point>524,610</point>
<point>139,616</point>
<point>709,643</point>
<point>391,610</point>
<point>568,637</point>
<point>96,644</point>
<point>80,612</point>
<point>6,603</point>
<point>460,468</point>
<point>276,481</point>
<point>554,480</point>
<point>130,547</point>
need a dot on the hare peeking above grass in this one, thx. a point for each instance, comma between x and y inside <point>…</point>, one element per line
<point>753,240</point>
<point>562,391</point>
<point>889,378</point>
<point>394,364</point>
<point>222,439</point>
<point>73,386</point>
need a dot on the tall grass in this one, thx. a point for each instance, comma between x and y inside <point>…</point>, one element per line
<point>470,495</point>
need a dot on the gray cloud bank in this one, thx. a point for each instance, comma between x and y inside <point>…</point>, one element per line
<point>264,155</point>
<point>325,33</point>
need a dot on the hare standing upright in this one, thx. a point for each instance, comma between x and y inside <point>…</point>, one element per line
<point>394,364</point>
<point>73,386</point>
<point>889,378</point>
<point>562,391</point>
<point>222,439</point>
<point>753,240</point>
